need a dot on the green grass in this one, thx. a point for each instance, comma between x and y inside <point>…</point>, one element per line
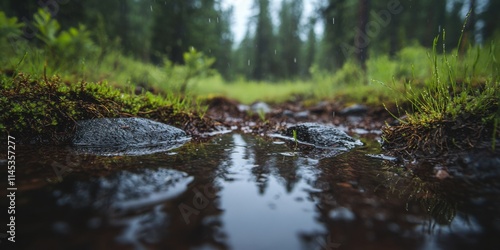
<point>382,83</point>
<point>250,91</point>
<point>457,107</point>
<point>461,86</point>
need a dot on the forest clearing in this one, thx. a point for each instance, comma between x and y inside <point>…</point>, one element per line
<point>327,124</point>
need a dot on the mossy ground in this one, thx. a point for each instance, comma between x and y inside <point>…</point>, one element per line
<point>46,109</point>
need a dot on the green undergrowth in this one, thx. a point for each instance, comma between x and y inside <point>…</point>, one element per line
<point>349,84</point>
<point>45,109</point>
<point>77,54</point>
<point>457,108</point>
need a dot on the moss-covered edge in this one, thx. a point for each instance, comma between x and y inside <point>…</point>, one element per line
<point>438,138</point>
<point>46,109</point>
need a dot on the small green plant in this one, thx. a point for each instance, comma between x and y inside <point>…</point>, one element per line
<point>9,27</point>
<point>196,65</point>
<point>200,108</point>
<point>64,48</point>
<point>262,115</point>
<point>294,134</point>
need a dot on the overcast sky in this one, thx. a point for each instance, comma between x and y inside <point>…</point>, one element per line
<point>243,10</point>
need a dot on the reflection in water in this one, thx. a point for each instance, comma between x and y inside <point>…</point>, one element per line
<point>239,191</point>
<point>267,215</point>
<point>126,191</point>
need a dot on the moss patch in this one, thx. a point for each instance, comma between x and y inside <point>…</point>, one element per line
<point>45,109</point>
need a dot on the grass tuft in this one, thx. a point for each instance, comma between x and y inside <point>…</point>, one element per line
<point>457,107</point>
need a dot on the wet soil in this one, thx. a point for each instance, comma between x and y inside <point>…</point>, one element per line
<point>231,114</point>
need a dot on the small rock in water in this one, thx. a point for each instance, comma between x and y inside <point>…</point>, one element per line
<point>302,114</point>
<point>342,213</point>
<point>442,174</point>
<point>322,136</point>
<point>356,110</point>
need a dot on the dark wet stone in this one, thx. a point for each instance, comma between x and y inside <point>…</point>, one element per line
<point>261,107</point>
<point>302,114</point>
<point>356,109</point>
<point>243,108</point>
<point>288,113</point>
<point>322,136</point>
<point>133,136</point>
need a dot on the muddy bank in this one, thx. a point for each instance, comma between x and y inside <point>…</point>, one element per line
<point>463,160</point>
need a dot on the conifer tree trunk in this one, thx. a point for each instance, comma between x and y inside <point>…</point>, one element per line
<point>360,42</point>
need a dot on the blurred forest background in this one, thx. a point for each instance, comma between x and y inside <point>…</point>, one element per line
<point>173,33</point>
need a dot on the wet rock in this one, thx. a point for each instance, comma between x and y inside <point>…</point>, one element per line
<point>261,107</point>
<point>354,110</point>
<point>442,174</point>
<point>130,136</point>
<point>321,107</point>
<point>302,114</point>
<point>322,136</point>
<point>243,108</point>
<point>342,213</point>
<point>288,113</point>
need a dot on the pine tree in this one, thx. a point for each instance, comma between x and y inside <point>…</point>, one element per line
<point>264,42</point>
<point>289,38</point>
<point>310,47</point>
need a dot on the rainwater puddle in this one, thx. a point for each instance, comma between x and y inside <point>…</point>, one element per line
<point>238,191</point>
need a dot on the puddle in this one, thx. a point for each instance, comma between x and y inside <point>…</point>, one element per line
<point>238,191</point>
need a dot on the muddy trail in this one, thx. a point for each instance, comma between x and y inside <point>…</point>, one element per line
<point>236,185</point>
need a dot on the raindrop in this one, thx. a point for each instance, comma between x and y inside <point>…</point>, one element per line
<point>333,20</point>
<point>275,52</point>
<point>151,7</point>
<point>295,59</point>
<point>439,29</point>
<point>217,19</point>
<point>209,20</point>
<point>248,62</point>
